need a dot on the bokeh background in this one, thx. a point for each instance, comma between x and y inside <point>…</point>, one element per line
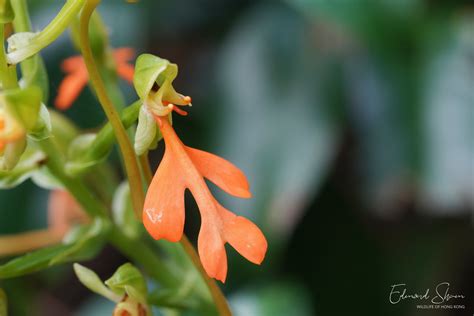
<point>354,121</point>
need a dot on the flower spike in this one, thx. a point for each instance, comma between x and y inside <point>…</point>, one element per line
<point>184,168</point>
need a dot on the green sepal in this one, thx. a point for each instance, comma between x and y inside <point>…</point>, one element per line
<point>128,280</point>
<point>24,105</point>
<point>85,245</point>
<point>148,69</point>
<point>6,12</point>
<point>146,131</point>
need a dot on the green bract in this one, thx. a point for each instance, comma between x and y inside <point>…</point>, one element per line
<point>128,280</point>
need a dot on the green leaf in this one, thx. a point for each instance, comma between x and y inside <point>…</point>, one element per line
<point>147,70</point>
<point>85,244</point>
<point>24,104</point>
<point>6,16</point>
<point>92,281</point>
<point>146,131</point>
<point>31,262</point>
<point>128,279</point>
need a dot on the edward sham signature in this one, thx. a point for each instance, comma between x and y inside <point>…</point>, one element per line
<point>439,295</point>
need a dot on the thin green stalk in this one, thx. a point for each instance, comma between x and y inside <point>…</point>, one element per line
<point>217,295</point>
<point>128,153</point>
<point>52,31</point>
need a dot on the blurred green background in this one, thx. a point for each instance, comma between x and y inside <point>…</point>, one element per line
<point>354,121</point>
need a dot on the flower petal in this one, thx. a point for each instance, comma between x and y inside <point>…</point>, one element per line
<point>244,236</point>
<point>70,88</point>
<point>163,212</point>
<point>126,71</point>
<point>211,249</point>
<point>73,64</point>
<point>221,172</point>
<point>123,54</point>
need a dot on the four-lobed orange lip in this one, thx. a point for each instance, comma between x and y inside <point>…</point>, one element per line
<point>184,168</point>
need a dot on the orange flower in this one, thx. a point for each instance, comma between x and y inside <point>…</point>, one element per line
<point>77,76</point>
<point>183,168</point>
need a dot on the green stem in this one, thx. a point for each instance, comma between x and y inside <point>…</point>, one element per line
<point>128,153</point>
<point>62,20</point>
<point>217,295</point>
